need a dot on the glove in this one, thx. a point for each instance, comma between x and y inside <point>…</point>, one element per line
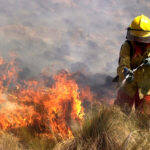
<point>129,75</point>
<point>147,61</point>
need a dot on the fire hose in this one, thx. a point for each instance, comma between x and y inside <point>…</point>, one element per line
<point>129,74</point>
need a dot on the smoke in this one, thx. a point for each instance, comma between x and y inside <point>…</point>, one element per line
<point>101,85</point>
<point>57,34</point>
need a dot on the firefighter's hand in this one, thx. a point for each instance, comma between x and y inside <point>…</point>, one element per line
<point>129,75</point>
<point>146,62</point>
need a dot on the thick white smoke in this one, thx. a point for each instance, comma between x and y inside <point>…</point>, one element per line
<point>70,34</point>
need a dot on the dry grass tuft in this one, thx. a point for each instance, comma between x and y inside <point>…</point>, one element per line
<point>9,142</point>
<point>110,129</point>
<point>24,139</point>
<point>31,141</point>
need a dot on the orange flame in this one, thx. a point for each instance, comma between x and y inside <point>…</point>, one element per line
<point>30,103</point>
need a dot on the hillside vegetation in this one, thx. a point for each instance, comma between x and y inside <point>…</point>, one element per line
<point>110,129</point>
<point>107,128</point>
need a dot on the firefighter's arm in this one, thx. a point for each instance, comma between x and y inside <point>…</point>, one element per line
<point>124,60</point>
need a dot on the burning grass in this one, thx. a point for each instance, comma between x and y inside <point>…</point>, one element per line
<point>105,127</point>
<point>37,115</point>
<point>37,112</point>
<point>49,110</point>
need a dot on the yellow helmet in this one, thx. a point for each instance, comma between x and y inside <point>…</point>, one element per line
<point>139,29</point>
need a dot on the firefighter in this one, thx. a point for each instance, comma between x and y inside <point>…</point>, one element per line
<point>134,51</point>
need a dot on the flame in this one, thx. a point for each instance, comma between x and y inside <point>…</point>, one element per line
<point>49,110</point>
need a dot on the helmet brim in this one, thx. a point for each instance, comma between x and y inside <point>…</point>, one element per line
<point>136,38</point>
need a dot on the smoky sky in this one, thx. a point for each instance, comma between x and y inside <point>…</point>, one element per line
<point>67,34</point>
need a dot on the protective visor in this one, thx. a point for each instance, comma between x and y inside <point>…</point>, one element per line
<point>130,36</point>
